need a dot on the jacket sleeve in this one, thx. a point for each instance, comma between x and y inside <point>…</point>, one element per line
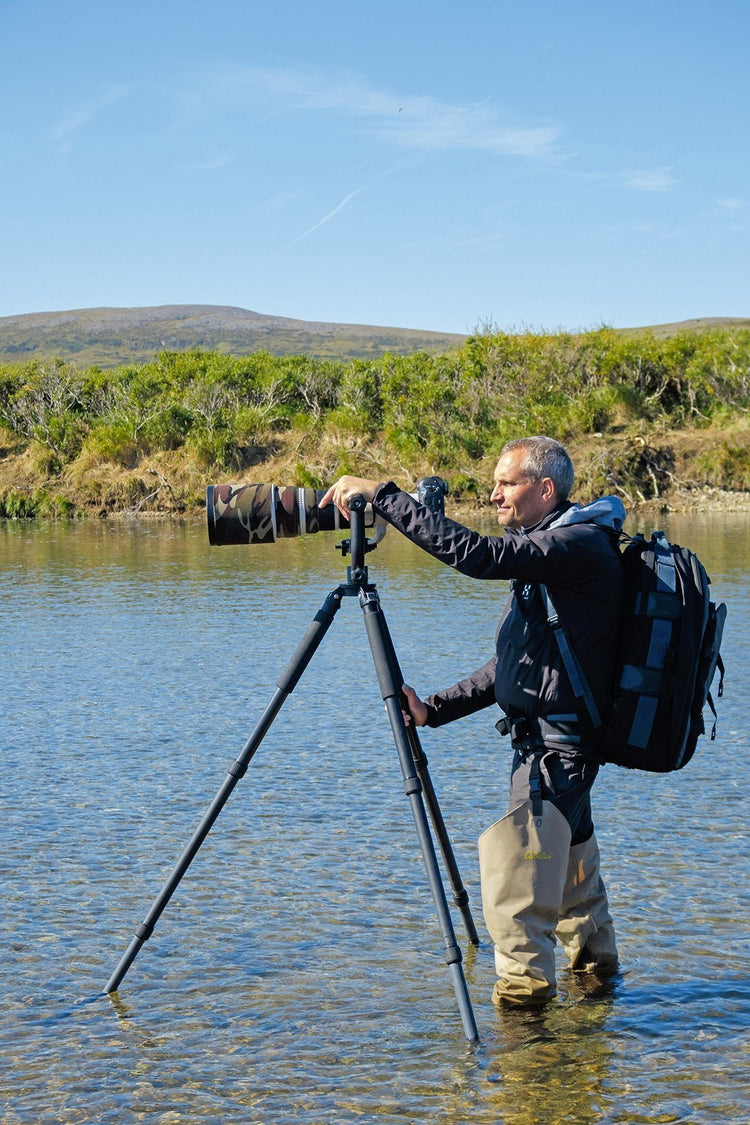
<point>464,698</point>
<point>478,556</point>
<point>553,557</point>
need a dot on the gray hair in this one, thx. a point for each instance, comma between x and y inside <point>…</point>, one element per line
<point>545,457</point>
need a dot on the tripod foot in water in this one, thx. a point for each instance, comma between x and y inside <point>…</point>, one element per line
<point>523,861</point>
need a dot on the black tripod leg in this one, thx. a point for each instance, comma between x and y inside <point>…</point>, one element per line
<point>285,686</point>
<point>460,894</point>
<point>390,688</point>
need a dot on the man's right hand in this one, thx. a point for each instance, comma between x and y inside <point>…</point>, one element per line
<point>345,488</point>
<point>417,712</point>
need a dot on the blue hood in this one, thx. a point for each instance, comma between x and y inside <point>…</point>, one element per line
<point>608,511</point>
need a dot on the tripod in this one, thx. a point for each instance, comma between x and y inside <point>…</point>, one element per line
<point>417,783</point>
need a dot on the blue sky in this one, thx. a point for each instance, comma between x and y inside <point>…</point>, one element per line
<point>428,165</point>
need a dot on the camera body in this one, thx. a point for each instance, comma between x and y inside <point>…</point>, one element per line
<point>431,491</point>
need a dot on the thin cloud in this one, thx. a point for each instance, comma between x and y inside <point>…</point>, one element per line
<point>655,179</point>
<point>413,122</point>
<point>432,125</point>
<point>215,163</point>
<point>80,116</point>
<point>321,222</point>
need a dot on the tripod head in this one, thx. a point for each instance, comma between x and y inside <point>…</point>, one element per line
<point>431,492</point>
<point>358,544</point>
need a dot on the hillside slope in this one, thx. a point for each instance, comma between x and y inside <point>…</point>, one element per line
<point>111,337</point>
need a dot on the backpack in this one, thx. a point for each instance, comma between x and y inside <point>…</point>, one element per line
<point>668,655</point>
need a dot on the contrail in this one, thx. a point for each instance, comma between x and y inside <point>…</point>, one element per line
<point>321,222</point>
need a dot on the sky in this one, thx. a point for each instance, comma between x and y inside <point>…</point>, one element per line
<point>536,165</point>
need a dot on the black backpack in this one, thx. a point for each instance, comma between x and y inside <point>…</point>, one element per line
<point>668,656</point>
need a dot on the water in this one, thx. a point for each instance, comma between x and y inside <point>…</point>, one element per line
<point>297,975</point>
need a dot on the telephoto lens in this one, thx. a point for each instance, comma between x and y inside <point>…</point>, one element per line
<point>263,513</point>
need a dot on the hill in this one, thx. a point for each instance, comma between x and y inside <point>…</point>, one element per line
<point>105,337</point>
<point>112,337</point>
<point>698,324</point>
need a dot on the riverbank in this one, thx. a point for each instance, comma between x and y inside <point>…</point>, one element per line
<point>655,421</point>
<point>169,485</point>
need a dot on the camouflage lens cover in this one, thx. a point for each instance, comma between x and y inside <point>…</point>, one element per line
<point>241,513</point>
<point>263,513</point>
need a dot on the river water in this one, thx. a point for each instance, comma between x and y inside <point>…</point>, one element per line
<point>297,975</point>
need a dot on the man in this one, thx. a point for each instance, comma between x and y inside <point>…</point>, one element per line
<point>539,864</point>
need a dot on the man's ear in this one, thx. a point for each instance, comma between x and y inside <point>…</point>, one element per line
<point>548,488</point>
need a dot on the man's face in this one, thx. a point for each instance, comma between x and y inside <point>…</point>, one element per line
<point>520,502</point>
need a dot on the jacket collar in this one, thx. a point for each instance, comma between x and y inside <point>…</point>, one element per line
<point>607,512</point>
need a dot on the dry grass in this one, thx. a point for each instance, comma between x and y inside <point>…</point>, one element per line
<point>171,483</point>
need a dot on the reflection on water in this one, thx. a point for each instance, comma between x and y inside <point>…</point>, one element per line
<point>297,975</point>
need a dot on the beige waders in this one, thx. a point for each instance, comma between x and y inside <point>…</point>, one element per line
<point>584,927</point>
<point>535,886</point>
<point>523,862</point>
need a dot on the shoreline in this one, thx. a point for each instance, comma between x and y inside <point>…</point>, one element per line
<point>677,502</point>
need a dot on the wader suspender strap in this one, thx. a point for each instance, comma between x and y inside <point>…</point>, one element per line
<point>535,786</point>
<point>578,681</point>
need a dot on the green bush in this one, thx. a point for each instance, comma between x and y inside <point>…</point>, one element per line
<point>111,441</point>
<point>726,466</point>
<point>216,449</point>
<point>17,505</point>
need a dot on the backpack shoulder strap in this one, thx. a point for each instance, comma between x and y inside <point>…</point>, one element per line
<point>578,680</point>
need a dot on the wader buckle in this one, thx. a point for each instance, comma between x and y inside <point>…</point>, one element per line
<point>535,786</point>
<point>519,729</point>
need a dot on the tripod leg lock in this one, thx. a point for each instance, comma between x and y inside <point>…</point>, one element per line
<point>412,785</point>
<point>453,955</point>
<point>144,931</point>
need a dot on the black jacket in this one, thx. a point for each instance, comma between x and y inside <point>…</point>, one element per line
<point>573,551</point>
